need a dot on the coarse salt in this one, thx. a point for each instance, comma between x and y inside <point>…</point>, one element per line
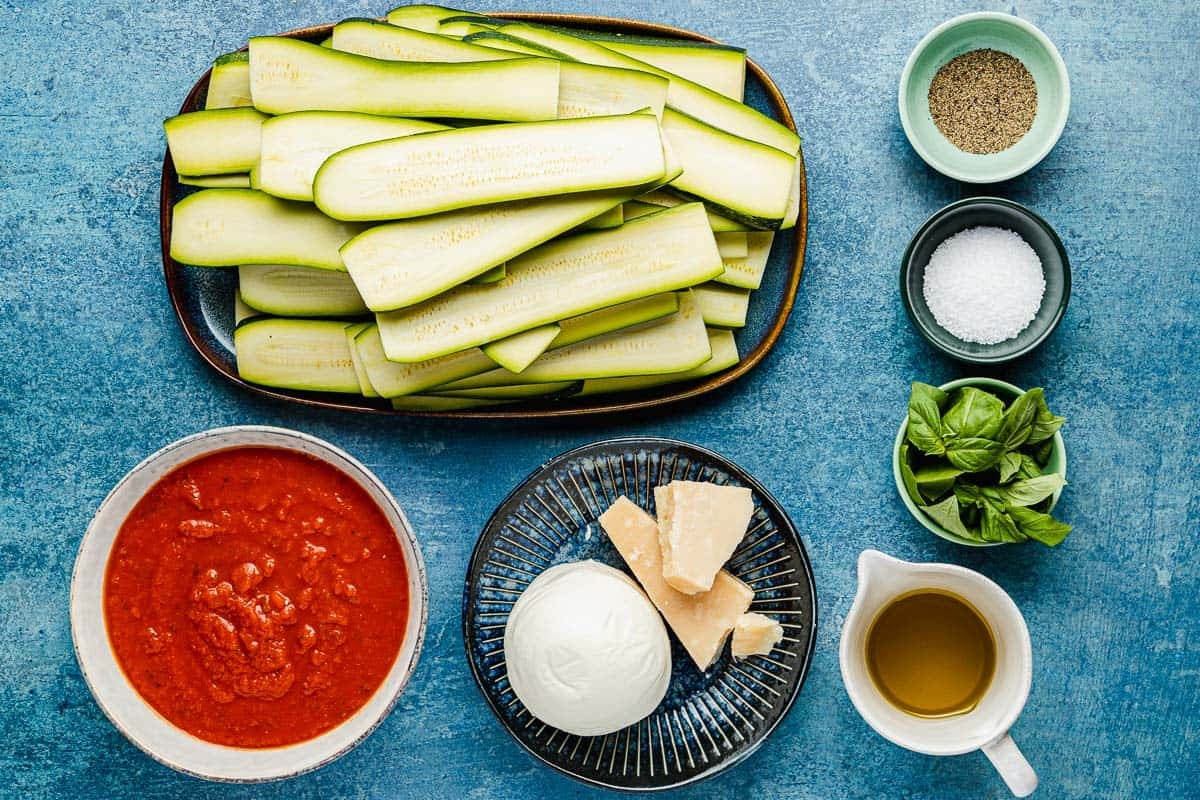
<point>984,284</point>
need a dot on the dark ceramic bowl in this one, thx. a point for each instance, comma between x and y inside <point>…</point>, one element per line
<point>708,720</point>
<point>986,211</point>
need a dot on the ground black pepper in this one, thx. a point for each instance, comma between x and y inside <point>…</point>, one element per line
<point>983,101</point>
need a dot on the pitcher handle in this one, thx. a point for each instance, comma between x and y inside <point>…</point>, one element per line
<point>1006,757</point>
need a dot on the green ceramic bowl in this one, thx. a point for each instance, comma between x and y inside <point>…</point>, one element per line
<point>997,212</point>
<point>995,31</point>
<point>1006,392</point>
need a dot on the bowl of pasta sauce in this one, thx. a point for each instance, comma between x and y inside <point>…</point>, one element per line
<point>248,604</point>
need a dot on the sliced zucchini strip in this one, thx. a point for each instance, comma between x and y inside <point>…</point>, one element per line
<point>747,273</point>
<point>463,167</point>
<point>229,82</point>
<point>732,245</point>
<point>718,222</point>
<point>402,263</point>
<point>288,291</point>
<point>493,275</point>
<point>670,250</point>
<point>518,351</point>
<point>422,16</point>
<point>392,380</point>
<point>296,354</point>
<point>238,181</point>
<point>368,37</point>
<point>722,306</point>
<point>218,142</point>
<point>229,227</point>
<point>517,391</point>
<point>724,355</point>
<point>291,75</point>
<point>613,218</point>
<point>295,145</point>
<point>364,381</point>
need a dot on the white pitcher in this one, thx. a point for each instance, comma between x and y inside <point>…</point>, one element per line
<point>881,579</point>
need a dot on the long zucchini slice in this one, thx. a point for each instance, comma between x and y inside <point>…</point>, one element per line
<point>295,145</point>
<point>502,41</point>
<point>677,343</point>
<point>691,98</point>
<point>402,263</point>
<point>747,273</point>
<point>731,245</point>
<point>290,75</point>
<point>718,67</point>
<point>463,167</point>
<point>613,218</point>
<point>393,380</point>
<point>670,250</point>
<point>288,291</point>
<point>423,16</point>
<point>229,82</point>
<point>229,227</point>
<point>740,178</point>
<point>215,142</point>
<point>518,351</point>
<point>517,391</point>
<point>585,326</point>
<point>367,37</point>
<point>722,306</point>
<point>364,380</point>
<point>724,355</point>
<point>239,181</point>
<point>296,354</point>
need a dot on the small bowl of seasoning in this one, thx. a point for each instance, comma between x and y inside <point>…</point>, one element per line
<point>985,280</point>
<point>984,97</point>
<point>248,604</point>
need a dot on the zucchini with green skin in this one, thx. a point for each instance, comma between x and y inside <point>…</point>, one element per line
<point>719,223</point>
<point>691,98</point>
<point>305,354</point>
<point>747,273</point>
<point>290,75</point>
<point>368,37</point>
<point>724,355</point>
<point>229,82</point>
<point>217,142</point>
<point>502,41</point>
<point>294,146</point>
<point>587,326</point>
<point>422,16</point>
<point>288,291</point>
<point>229,227</point>
<point>613,218</point>
<point>493,275</point>
<point>674,344</point>
<point>721,68</point>
<point>740,178</point>
<point>731,245</point>
<point>239,181</point>
<point>464,167</point>
<point>364,381</point>
<point>722,306</point>
<point>393,380</point>
<point>518,351</point>
<point>402,263</point>
<point>670,250</point>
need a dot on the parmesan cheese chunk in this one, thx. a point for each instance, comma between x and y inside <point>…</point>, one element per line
<point>699,527</point>
<point>755,635</point>
<point>702,622</point>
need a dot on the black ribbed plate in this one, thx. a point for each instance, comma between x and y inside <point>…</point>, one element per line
<point>708,721</point>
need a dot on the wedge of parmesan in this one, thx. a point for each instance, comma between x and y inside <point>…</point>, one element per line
<point>699,527</point>
<point>702,622</point>
<point>755,635</point>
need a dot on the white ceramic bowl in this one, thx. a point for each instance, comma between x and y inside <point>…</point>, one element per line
<point>140,723</point>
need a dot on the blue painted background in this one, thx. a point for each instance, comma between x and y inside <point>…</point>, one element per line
<point>94,374</point>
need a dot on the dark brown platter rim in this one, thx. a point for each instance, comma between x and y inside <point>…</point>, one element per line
<point>173,271</point>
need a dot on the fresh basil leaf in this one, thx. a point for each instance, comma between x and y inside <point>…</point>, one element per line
<point>992,496</point>
<point>968,495</point>
<point>1042,452</point>
<point>925,418</point>
<point>971,516</point>
<point>907,477</point>
<point>935,481</point>
<point>946,514</point>
<point>1018,420</point>
<point>1045,424</point>
<point>973,454</point>
<point>975,414</point>
<point>1009,465</point>
<point>1029,467</point>
<point>997,526</point>
<point>1042,527</point>
<point>1032,490</point>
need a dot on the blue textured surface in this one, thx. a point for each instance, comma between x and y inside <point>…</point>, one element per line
<point>95,374</point>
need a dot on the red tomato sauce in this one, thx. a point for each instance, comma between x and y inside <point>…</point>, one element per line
<point>256,597</point>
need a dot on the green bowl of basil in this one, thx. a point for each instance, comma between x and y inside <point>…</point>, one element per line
<point>985,463</point>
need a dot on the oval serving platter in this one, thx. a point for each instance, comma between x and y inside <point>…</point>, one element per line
<point>203,296</point>
<point>708,721</point>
